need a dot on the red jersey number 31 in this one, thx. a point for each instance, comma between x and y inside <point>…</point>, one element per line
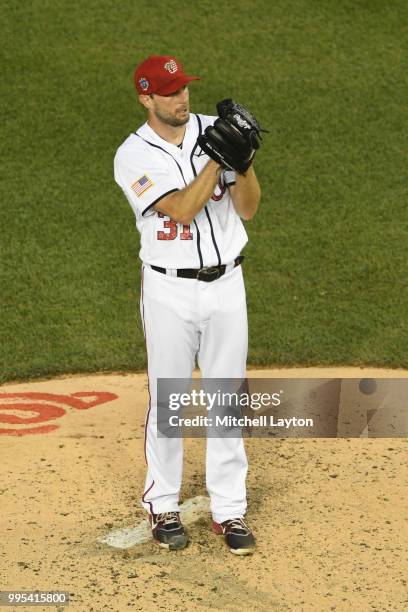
<point>172,232</point>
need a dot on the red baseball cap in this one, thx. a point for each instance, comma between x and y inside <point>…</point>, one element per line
<point>162,75</point>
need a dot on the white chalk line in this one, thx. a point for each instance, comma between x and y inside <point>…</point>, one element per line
<point>190,512</point>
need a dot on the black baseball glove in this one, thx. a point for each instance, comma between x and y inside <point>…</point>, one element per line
<point>234,138</point>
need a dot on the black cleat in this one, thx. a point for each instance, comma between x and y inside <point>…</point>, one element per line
<point>238,536</point>
<point>168,530</point>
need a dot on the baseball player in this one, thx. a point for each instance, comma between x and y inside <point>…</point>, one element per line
<point>190,182</point>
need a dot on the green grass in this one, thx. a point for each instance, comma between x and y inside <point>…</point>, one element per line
<point>326,266</point>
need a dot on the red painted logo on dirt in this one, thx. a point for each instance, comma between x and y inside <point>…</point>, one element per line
<point>30,408</point>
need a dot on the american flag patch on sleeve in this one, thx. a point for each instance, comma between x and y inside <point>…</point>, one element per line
<point>142,185</point>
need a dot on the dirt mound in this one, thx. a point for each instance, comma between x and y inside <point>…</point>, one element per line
<point>329,514</point>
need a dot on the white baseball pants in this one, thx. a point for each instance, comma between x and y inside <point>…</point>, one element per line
<point>183,318</point>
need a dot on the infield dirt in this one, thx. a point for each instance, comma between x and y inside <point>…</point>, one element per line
<point>329,514</point>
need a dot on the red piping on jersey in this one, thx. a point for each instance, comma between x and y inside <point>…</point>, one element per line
<point>147,502</point>
<point>150,397</point>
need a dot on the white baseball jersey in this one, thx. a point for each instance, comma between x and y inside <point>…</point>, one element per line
<point>148,168</point>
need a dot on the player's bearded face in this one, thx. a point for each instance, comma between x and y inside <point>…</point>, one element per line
<point>174,109</point>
